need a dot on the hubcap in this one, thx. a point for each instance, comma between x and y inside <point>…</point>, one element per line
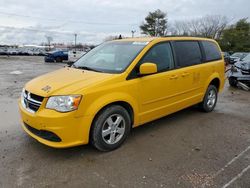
<point>113,129</point>
<point>211,98</point>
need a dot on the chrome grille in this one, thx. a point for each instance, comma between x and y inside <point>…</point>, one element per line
<point>30,101</point>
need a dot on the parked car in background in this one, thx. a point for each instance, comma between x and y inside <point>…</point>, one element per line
<point>3,51</point>
<point>75,55</point>
<point>239,74</point>
<point>12,51</point>
<point>237,56</point>
<point>56,56</point>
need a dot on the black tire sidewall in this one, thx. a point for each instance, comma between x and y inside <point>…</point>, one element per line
<point>96,132</point>
<point>204,103</point>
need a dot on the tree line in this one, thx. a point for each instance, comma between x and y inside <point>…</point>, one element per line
<point>231,37</point>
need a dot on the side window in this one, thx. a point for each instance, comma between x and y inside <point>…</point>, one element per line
<point>211,50</point>
<point>188,53</point>
<point>161,55</point>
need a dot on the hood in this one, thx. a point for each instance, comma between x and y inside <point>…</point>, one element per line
<point>65,81</point>
<point>244,65</point>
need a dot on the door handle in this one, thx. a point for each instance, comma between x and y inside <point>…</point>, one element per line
<point>185,74</point>
<point>173,77</point>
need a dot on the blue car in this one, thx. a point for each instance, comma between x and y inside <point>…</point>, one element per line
<point>56,56</point>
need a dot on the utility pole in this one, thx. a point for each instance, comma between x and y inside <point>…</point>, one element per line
<point>75,40</point>
<point>133,32</point>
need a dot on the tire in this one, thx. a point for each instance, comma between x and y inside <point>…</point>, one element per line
<point>232,81</point>
<point>210,99</point>
<point>107,134</point>
<point>58,59</point>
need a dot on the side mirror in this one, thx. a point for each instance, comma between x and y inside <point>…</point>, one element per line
<point>148,68</point>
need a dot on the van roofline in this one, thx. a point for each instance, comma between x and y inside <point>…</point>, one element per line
<point>149,39</point>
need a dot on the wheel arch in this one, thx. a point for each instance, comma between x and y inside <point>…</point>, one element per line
<point>122,103</point>
<point>115,98</point>
<point>214,80</point>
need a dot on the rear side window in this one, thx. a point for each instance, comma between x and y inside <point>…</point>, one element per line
<point>187,53</point>
<point>211,50</point>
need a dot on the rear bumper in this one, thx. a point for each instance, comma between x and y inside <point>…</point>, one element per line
<point>59,130</point>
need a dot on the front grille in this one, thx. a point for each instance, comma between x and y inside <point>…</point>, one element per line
<point>47,135</point>
<point>31,101</point>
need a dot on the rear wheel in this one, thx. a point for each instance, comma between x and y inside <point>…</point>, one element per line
<point>110,128</point>
<point>210,99</point>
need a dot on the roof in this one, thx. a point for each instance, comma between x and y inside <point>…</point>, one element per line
<point>149,39</point>
<point>139,39</point>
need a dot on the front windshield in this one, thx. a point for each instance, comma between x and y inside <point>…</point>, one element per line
<point>110,57</point>
<point>247,58</point>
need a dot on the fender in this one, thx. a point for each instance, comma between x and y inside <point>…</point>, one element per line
<point>209,80</point>
<point>107,99</point>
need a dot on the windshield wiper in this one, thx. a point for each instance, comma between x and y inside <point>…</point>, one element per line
<point>86,68</point>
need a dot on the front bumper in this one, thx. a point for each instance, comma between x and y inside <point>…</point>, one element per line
<point>239,76</point>
<point>70,130</point>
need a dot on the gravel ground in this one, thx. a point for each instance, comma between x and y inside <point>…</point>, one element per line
<point>185,149</point>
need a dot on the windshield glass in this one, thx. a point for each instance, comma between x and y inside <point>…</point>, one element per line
<point>110,57</point>
<point>247,58</point>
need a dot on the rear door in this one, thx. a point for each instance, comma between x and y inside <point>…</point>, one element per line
<point>213,62</point>
<point>188,57</point>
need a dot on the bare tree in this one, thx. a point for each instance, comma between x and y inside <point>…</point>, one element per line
<point>210,26</point>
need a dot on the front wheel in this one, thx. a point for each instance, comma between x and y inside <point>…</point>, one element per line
<point>110,128</point>
<point>210,99</point>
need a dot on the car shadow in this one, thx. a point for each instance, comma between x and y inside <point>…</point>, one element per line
<point>89,150</point>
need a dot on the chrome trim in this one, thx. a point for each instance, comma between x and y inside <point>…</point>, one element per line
<point>26,98</point>
<point>34,101</point>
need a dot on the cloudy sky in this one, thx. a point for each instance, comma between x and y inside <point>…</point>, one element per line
<point>29,21</point>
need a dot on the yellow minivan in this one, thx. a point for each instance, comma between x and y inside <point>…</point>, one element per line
<point>120,85</point>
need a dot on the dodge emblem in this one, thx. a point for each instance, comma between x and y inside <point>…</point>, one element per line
<point>46,88</point>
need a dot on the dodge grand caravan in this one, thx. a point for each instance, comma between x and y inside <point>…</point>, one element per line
<point>120,85</point>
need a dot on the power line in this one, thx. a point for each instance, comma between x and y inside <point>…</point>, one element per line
<point>70,21</point>
<point>41,30</point>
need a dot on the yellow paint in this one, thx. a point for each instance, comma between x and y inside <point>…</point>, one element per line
<point>148,68</point>
<point>150,97</point>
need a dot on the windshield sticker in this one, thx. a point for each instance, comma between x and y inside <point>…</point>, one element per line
<point>118,69</point>
<point>140,43</point>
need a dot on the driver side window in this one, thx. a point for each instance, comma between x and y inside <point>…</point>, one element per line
<point>161,55</point>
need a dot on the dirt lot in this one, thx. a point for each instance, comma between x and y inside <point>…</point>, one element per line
<point>186,149</point>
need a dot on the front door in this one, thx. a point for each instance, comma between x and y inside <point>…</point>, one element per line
<point>158,91</point>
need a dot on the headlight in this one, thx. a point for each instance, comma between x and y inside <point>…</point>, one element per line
<point>64,103</point>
